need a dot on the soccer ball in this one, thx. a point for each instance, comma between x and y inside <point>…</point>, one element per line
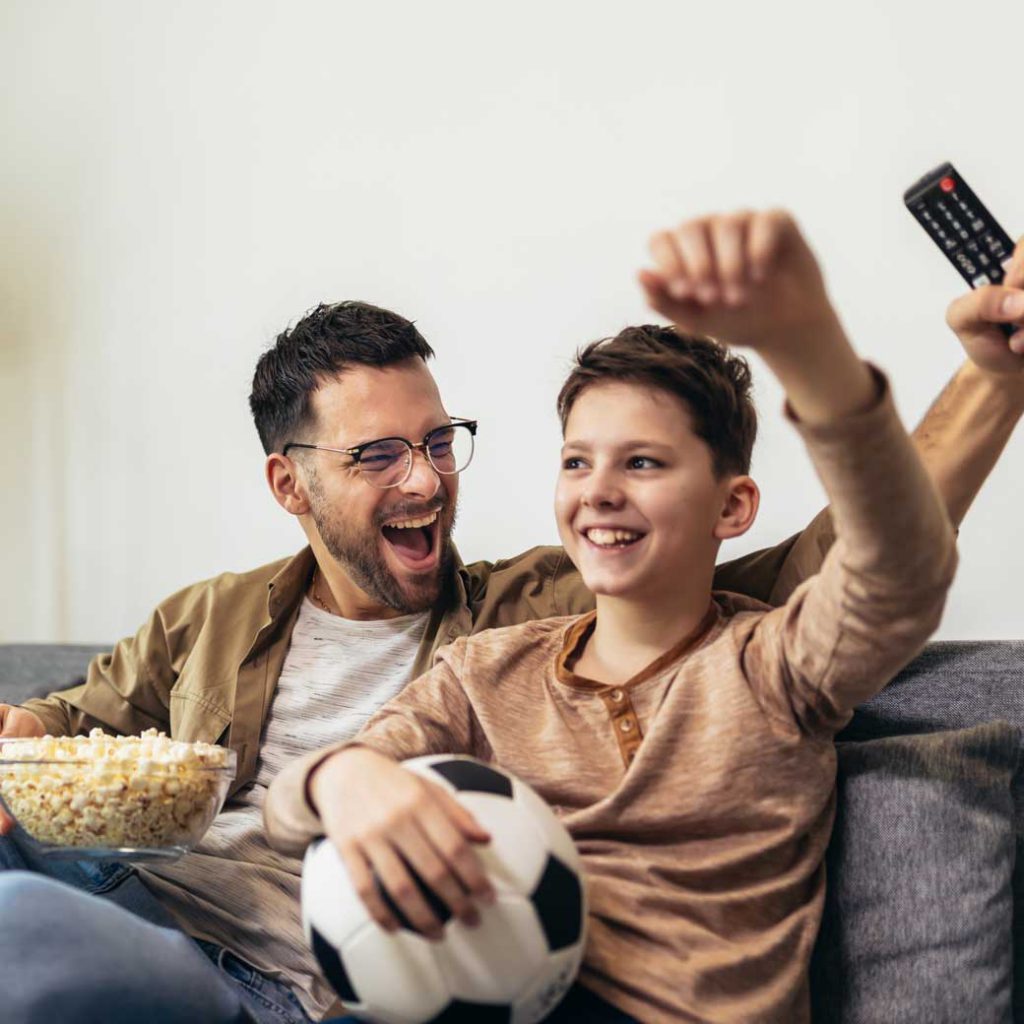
<point>511,969</point>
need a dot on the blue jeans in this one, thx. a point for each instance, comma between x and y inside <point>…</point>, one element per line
<point>85,941</point>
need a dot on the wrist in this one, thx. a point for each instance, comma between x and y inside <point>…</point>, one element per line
<point>329,774</point>
<point>1005,388</point>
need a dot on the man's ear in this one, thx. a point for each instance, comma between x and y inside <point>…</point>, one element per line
<point>739,510</point>
<point>286,484</point>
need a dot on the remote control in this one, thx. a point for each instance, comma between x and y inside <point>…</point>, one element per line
<point>961,226</point>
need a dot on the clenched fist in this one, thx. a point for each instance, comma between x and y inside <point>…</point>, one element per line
<point>745,278</point>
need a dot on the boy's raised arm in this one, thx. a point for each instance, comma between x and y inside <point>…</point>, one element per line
<point>751,280</point>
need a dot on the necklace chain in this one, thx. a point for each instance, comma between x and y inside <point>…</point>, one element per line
<point>315,593</point>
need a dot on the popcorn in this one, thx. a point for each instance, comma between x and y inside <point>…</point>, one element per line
<point>114,791</point>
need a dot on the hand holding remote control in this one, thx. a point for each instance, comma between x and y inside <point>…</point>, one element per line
<point>959,223</point>
<point>982,319</point>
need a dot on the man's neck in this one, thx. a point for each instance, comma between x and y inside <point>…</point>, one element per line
<point>332,591</point>
<point>629,635</point>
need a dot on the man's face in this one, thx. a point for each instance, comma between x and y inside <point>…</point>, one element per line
<point>394,543</point>
<point>637,499</point>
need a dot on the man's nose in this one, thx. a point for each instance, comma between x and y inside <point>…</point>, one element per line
<point>423,480</point>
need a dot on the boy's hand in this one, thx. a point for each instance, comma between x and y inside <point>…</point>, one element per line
<point>16,722</point>
<point>743,278</point>
<point>975,316</point>
<point>387,820</point>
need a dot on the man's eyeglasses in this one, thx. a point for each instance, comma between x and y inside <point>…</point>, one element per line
<point>387,462</point>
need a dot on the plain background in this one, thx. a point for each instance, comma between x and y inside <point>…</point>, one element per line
<point>178,182</point>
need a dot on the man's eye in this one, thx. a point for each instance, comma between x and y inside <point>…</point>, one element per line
<point>378,460</point>
<point>441,449</point>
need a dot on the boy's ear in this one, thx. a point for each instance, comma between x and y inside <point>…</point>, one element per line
<point>739,510</point>
<point>285,484</point>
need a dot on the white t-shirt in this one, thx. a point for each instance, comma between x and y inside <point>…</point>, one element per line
<point>233,889</point>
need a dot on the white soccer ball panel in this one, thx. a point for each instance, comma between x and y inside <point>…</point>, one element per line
<point>328,899</point>
<point>549,986</point>
<point>517,852</point>
<point>395,975</point>
<point>494,961</point>
<point>554,833</point>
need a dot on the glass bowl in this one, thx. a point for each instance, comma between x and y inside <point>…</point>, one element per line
<point>118,807</point>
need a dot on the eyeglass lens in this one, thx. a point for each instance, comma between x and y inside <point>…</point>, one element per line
<point>387,463</point>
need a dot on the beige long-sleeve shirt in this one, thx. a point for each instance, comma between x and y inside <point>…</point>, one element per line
<point>700,793</point>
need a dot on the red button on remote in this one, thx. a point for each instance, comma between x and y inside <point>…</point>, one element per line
<point>947,184</point>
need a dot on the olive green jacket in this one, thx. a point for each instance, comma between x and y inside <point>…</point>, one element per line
<point>205,665</point>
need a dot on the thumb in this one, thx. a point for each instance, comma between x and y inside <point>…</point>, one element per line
<point>992,304</point>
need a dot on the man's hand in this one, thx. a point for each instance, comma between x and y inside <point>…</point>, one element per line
<point>975,318</point>
<point>385,819</point>
<point>743,278</point>
<point>16,722</point>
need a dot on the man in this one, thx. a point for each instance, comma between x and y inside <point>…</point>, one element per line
<point>240,658</point>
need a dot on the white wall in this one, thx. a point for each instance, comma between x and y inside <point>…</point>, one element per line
<point>178,182</point>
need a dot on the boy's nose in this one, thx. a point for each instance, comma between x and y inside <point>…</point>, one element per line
<point>603,491</point>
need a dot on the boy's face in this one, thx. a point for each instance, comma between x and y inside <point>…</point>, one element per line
<point>638,505</point>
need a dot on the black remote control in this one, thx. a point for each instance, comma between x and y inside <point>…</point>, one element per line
<point>961,226</point>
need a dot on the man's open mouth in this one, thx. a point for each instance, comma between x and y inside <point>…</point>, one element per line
<point>612,538</point>
<point>414,539</point>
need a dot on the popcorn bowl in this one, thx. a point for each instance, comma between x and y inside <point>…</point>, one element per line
<point>136,798</point>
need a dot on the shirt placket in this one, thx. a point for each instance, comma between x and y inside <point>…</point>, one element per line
<point>624,722</point>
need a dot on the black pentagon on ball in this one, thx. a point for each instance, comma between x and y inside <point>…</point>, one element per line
<point>441,909</point>
<point>473,777</point>
<point>458,1012</point>
<point>558,900</point>
<point>333,968</point>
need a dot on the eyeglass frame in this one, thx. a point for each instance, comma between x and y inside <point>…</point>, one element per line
<point>356,452</point>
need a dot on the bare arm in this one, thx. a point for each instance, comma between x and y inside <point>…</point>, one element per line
<point>965,431</point>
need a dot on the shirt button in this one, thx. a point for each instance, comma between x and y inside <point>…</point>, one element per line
<point>626,725</point>
<point>617,696</point>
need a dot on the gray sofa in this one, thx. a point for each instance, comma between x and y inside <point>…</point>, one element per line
<point>924,894</point>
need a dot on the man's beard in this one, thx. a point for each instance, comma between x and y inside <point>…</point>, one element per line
<point>359,552</point>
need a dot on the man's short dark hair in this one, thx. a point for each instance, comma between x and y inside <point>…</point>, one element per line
<point>713,383</point>
<point>321,345</point>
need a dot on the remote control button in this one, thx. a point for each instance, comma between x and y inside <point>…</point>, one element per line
<point>947,184</point>
<point>979,281</point>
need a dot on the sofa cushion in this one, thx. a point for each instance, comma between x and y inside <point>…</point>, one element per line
<point>919,904</point>
<point>34,670</point>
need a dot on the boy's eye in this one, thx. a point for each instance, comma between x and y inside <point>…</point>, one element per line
<point>643,462</point>
<point>573,462</point>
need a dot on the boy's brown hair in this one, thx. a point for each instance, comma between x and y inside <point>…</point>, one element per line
<point>712,383</point>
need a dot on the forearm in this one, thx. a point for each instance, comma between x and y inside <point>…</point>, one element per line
<point>432,715</point>
<point>824,378</point>
<point>882,587</point>
<point>965,431</point>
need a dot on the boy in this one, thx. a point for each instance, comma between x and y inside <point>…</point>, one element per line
<point>684,737</point>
